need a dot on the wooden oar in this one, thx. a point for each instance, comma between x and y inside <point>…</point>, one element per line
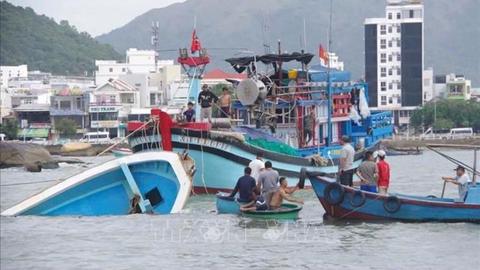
<point>443,190</point>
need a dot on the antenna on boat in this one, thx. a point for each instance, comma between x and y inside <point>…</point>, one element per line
<point>329,84</point>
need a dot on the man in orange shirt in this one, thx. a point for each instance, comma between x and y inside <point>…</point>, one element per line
<point>383,173</point>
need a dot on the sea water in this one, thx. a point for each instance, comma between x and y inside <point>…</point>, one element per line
<point>201,239</point>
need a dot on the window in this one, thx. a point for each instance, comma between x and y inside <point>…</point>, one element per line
<point>389,29</point>
<point>398,16</point>
<point>390,58</point>
<point>110,69</point>
<point>383,100</point>
<point>383,44</point>
<point>383,86</point>
<point>390,100</point>
<point>399,71</point>
<point>383,29</point>
<point>389,16</point>
<point>390,72</point>
<point>123,69</point>
<point>390,44</point>
<point>383,72</point>
<point>398,28</point>
<point>410,12</point>
<point>383,58</point>
<point>390,86</point>
<point>399,57</point>
<point>398,43</point>
<point>65,104</point>
<point>138,84</point>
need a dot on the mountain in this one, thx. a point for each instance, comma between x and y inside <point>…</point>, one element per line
<point>43,44</point>
<point>452,32</point>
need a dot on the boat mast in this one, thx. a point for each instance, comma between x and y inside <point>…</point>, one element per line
<point>329,84</point>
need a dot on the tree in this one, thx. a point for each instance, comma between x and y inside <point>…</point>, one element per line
<point>9,128</point>
<point>66,127</point>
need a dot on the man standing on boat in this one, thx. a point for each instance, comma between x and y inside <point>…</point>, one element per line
<point>268,182</point>
<point>345,166</point>
<point>308,124</point>
<point>206,98</point>
<point>461,180</point>
<point>225,101</point>
<point>246,186</point>
<point>383,173</point>
<point>367,172</point>
<point>257,165</point>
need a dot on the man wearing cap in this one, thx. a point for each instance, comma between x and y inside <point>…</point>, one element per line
<point>461,180</point>
<point>345,167</point>
<point>206,98</point>
<point>383,169</point>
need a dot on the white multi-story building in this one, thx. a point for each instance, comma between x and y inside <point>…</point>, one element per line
<point>137,61</point>
<point>335,62</point>
<point>394,58</point>
<point>9,72</point>
<point>451,86</point>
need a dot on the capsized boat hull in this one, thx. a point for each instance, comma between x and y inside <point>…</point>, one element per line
<point>159,178</point>
<point>287,211</point>
<point>361,205</point>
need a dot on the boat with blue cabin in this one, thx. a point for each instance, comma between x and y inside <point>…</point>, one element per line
<point>152,182</point>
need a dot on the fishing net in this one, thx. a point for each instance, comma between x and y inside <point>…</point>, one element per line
<point>273,146</point>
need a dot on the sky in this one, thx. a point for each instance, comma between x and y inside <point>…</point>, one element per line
<point>93,16</point>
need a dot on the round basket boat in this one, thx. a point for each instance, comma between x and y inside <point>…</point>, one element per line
<point>287,211</point>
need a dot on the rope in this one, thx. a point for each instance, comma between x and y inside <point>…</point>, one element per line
<point>203,164</point>
<point>454,161</point>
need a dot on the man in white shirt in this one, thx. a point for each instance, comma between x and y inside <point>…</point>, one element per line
<point>345,166</point>
<point>257,165</point>
<point>461,180</point>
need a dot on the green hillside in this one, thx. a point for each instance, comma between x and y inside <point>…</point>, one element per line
<point>43,44</point>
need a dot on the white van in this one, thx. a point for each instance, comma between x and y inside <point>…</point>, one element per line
<point>96,137</point>
<point>459,133</point>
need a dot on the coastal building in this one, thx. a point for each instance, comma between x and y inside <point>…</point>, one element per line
<point>70,103</point>
<point>335,62</point>
<point>452,86</point>
<point>9,72</point>
<point>110,105</point>
<point>394,59</point>
<point>137,61</point>
<point>34,120</point>
<point>428,86</point>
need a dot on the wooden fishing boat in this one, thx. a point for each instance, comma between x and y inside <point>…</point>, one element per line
<point>288,211</point>
<point>344,202</point>
<point>151,182</point>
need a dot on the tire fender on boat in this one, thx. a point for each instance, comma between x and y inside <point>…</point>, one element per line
<point>357,198</point>
<point>301,179</point>
<point>392,204</point>
<point>334,193</point>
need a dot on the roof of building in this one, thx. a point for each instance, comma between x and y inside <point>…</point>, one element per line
<point>218,74</point>
<point>118,84</point>
<point>32,108</point>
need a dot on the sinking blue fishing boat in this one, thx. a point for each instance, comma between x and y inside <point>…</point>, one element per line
<point>151,182</point>
<point>343,202</point>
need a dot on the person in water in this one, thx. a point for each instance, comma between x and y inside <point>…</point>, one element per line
<point>283,193</point>
<point>368,172</point>
<point>189,114</point>
<point>246,186</point>
<point>383,169</point>
<point>461,179</point>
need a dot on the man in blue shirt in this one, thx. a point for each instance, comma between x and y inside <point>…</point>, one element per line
<point>246,185</point>
<point>189,114</point>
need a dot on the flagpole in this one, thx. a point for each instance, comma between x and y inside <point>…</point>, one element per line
<point>329,89</point>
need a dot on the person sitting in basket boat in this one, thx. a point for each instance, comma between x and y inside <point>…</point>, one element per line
<point>246,186</point>
<point>461,180</point>
<point>284,192</point>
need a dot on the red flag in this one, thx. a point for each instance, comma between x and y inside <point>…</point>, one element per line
<point>196,46</point>
<point>322,53</point>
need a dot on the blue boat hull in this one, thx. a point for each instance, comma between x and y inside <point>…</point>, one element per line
<point>227,205</point>
<point>362,205</point>
<point>107,189</point>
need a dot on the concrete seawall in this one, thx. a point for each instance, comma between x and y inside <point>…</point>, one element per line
<point>408,144</point>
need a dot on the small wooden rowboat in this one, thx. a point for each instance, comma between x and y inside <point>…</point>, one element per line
<point>231,205</point>
<point>288,211</point>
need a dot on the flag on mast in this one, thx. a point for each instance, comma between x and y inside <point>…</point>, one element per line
<point>323,54</point>
<point>196,46</point>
